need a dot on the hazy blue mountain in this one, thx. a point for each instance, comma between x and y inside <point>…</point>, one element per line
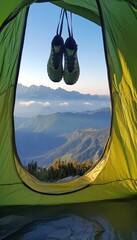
<point>60,123</point>
<point>46,93</point>
<point>39,135</point>
<point>42,100</point>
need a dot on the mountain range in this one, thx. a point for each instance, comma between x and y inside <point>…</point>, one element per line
<point>42,100</point>
<point>81,145</point>
<point>68,135</point>
<point>46,93</point>
<point>59,123</point>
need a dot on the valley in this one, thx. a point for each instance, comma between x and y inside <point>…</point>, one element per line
<point>70,136</point>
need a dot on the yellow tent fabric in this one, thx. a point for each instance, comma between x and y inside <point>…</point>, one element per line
<point>115,175</point>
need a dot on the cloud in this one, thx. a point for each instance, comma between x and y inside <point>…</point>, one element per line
<point>27,103</point>
<point>64,104</point>
<point>44,104</point>
<point>30,103</point>
<point>88,103</point>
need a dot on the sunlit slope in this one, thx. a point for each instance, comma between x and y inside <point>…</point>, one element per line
<point>81,145</point>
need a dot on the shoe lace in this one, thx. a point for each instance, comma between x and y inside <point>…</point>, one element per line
<point>70,62</point>
<point>56,59</point>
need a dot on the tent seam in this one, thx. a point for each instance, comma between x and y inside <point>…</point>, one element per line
<point>65,193</point>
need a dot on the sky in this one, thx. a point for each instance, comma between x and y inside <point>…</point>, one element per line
<point>41,28</point>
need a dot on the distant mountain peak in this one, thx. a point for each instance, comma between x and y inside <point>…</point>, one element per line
<point>43,92</point>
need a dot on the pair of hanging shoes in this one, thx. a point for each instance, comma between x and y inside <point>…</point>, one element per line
<point>55,69</point>
<point>70,72</point>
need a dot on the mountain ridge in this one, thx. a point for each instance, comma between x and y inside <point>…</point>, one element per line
<point>43,92</point>
<point>81,145</point>
<point>43,135</point>
<point>53,123</point>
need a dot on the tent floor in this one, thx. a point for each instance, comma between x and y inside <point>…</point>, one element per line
<point>98,220</point>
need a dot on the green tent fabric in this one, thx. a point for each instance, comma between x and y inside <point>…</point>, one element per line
<point>115,176</point>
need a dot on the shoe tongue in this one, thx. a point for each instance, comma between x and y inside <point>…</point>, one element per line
<point>57,48</point>
<point>69,52</point>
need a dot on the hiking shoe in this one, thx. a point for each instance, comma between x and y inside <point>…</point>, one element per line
<point>71,65</point>
<point>54,65</point>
